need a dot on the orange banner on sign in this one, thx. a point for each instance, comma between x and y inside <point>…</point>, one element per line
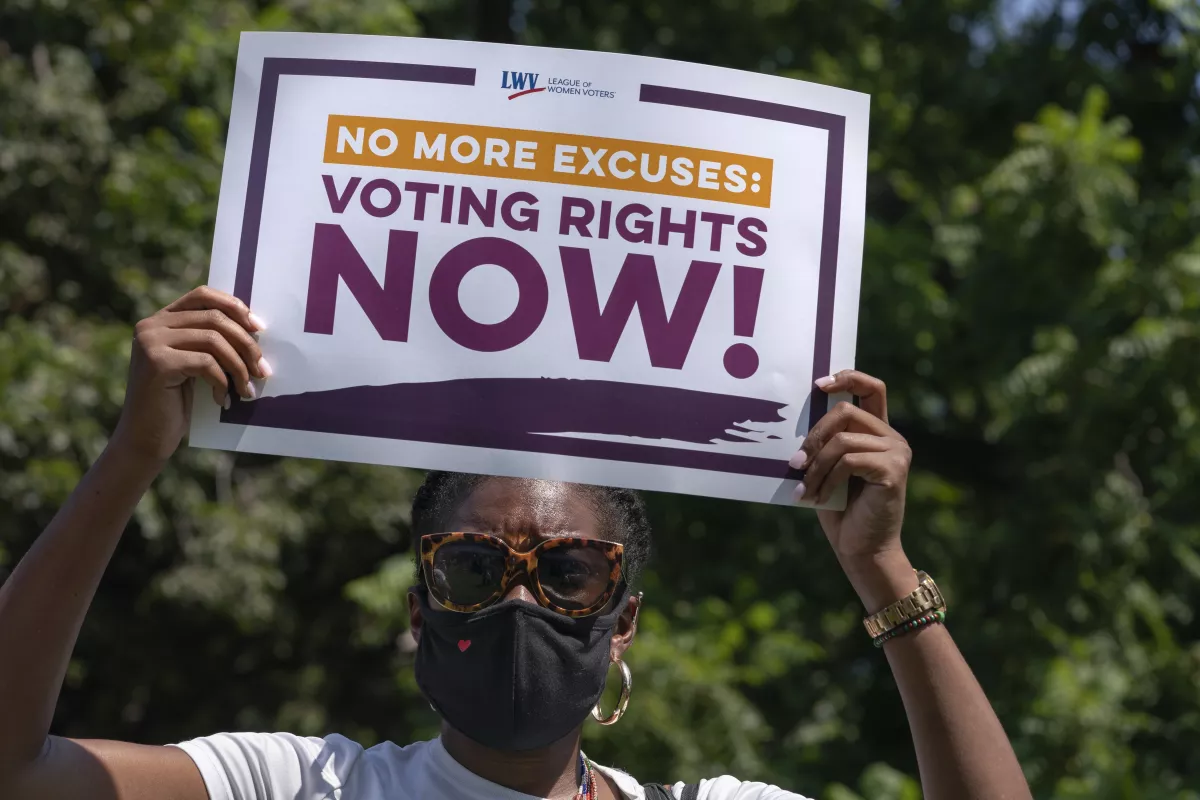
<point>563,158</point>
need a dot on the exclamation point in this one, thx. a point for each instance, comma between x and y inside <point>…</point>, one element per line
<point>741,360</point>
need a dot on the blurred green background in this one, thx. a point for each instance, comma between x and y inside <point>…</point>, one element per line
<point>1031,296</point>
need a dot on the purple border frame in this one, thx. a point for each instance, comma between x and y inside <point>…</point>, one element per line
<point>273,68</point>
<point>264,122</point>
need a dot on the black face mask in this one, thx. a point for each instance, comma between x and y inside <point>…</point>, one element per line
<point>514,676</point>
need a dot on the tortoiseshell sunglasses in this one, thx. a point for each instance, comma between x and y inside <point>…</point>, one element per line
<point>569,575</point>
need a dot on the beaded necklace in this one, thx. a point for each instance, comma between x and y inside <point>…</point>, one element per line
<point>587,781</point>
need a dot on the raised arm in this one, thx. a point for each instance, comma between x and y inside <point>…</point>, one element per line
<point>205,334</point>
<point>962,750</point>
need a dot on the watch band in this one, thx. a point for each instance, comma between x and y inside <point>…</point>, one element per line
<point>926,597</point>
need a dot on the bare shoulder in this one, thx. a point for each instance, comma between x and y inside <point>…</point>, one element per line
<point>95,769</point>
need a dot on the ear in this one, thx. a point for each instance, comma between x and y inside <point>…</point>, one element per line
<point>415,620</point>
<point>626,628</point>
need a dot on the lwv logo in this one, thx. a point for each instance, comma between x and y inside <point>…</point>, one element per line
<point>522,82</point>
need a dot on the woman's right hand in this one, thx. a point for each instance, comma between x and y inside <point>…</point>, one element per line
<point>206,335</point>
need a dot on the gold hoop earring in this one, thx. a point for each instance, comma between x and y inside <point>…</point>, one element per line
<point>623,703</point>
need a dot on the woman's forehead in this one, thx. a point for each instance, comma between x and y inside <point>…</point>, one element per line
<point>521,509</point>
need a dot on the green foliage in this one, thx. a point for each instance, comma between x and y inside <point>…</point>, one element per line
<point>1031,294</point>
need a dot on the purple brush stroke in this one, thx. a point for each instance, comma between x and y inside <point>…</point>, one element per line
<point>514,413</point>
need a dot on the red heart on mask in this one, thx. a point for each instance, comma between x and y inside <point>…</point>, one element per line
<point>463,644</point>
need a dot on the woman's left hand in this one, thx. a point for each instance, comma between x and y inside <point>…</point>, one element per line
<point>855,444</point>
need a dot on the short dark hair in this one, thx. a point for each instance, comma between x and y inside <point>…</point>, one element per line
<point>621,512</point>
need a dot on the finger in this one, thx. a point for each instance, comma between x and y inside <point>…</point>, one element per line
<point>842,417</point>
<point>213,343</point>
<point>839,445</point>
<point>204,297</point>
<point>881,469</point>
<point>203,366</point>
<point>216,320</point>
<point>870,391</point>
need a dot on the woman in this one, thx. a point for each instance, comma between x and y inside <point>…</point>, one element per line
<point>516,620</point>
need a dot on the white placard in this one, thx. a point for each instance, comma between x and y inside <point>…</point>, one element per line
<point>534,262</point>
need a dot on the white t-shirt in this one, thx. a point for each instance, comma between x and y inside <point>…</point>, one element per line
<point>281,766</point>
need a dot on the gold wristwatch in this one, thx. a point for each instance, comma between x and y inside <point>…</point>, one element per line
<point>926,597</point>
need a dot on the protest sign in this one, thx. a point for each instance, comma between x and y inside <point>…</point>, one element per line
<point>545,263</point>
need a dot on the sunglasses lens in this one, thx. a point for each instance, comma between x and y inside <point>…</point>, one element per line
<point>574,578</point>
<point>466,573</point>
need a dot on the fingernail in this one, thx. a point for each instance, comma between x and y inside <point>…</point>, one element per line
<point>264,368</point>
<point>798,461</point>
<point>250,393</point>
<point>226,403</point>
<point>800,490</point>
<point>257,322</point>
<point>823,382</point>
